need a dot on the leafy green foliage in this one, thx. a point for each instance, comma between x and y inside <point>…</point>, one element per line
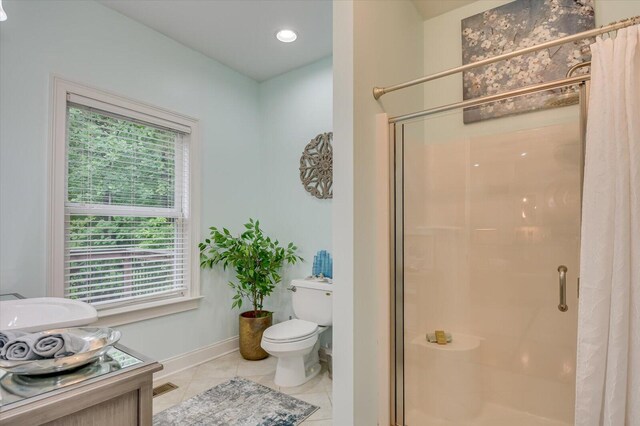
<point>256,258</point>
<point>112,161</point>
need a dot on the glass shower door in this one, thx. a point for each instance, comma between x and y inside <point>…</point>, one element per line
<point>487,217</point>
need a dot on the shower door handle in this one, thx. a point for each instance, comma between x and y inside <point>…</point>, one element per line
<point>562,274</point>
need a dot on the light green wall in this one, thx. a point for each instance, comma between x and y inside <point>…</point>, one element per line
<point>294,108</point>
<point>85,42</point>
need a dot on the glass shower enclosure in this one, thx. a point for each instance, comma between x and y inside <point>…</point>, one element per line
<point>486,221</point>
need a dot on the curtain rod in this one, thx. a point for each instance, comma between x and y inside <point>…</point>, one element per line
<point>494,98</point>
<point>379,91</point>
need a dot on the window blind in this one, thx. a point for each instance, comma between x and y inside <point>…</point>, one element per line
<point>126,215</point>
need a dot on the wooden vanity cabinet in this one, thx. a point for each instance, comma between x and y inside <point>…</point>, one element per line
<point>121,398</point>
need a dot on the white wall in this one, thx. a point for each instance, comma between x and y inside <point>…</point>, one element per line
<point>294,108</point>
<point>379,43</point>
<point>375,43</point>
<point>88,43</point>
<point>342,214</point>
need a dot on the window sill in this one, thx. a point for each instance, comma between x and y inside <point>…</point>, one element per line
<point>144,311</point>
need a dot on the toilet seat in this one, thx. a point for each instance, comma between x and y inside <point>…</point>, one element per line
<point>294,330</point>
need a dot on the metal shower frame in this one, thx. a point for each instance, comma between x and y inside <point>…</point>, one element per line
<point>396,135</point>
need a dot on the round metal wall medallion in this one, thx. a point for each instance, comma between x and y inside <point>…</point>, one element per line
<point>316,166</point>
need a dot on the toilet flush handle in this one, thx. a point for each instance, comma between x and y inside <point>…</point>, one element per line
<point>292,288</point>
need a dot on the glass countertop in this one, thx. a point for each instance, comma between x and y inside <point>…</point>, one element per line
<point>15,388</point>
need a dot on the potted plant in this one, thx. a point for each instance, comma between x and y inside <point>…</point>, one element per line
<point>257,260</point>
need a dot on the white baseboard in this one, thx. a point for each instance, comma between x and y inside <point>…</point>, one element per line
<point>201,355</point>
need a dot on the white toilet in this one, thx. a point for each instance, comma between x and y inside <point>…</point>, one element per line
<point>296,342</point>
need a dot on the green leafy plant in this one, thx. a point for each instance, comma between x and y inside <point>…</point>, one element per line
<point>256,258</point>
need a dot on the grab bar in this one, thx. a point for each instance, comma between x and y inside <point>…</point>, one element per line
<point>562,272</point>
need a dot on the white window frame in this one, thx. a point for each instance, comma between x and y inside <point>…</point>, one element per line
<point>62,91</point>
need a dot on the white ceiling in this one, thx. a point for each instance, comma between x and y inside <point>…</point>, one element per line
<point>240,33</point>
<point>431,8</point>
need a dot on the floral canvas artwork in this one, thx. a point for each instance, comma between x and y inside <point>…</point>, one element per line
<point>514,26</point>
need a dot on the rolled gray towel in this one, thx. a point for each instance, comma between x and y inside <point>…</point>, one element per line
<point>58,345</point>
<point>20,349</point>
<point>7,336</point>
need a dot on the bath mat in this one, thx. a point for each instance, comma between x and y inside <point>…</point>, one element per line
<point>238,402</point>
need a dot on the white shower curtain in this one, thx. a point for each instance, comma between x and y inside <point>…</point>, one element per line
<point>608,360</point>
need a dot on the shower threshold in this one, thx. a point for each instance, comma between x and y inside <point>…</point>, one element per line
<point>491,415</point>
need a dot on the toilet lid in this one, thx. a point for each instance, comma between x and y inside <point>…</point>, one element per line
<point>294,329</point>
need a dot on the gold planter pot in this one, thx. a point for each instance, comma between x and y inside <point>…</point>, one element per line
<point>251,330</point>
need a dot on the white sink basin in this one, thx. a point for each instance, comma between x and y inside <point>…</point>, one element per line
<point>43,313</point>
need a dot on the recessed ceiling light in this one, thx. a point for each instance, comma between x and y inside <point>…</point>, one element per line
<point>286,36</point>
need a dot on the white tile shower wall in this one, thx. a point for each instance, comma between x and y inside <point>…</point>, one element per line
<point>483,264</point>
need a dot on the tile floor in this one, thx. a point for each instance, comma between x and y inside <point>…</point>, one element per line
<point>198,379</point>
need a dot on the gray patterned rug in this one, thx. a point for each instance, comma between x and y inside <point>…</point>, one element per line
<point>237,402</point>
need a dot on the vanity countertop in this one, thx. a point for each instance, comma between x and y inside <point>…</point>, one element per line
<point>37,399</point>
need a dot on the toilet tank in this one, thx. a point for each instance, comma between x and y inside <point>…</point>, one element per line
<point>313,301</point>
